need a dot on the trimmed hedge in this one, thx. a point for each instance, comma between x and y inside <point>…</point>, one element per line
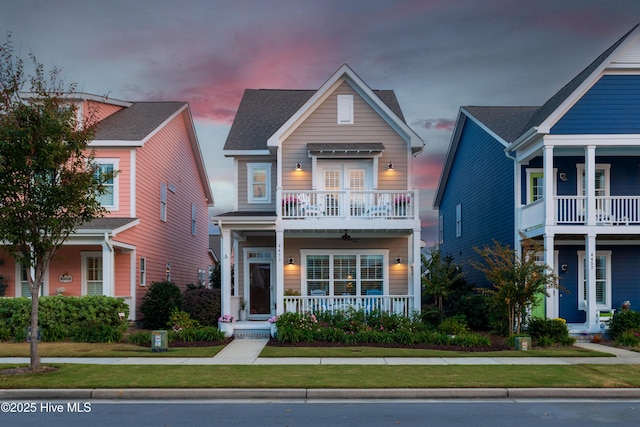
<point>203,305</point>
<point>158,303</point>
<point>546,332</point>
<point>82,319</point>
<point>623,321</point>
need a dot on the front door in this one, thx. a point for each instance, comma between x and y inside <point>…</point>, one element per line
<point>259,289</point>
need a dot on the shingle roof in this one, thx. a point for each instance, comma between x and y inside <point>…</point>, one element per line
<point>506,122</point>
<point>106,223</point>
<point>136,122</point>
<point>263,111</point>
<point>559,97</point>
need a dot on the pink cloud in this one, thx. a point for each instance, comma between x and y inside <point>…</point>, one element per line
<point>427,170</point>
<point>437,124</point>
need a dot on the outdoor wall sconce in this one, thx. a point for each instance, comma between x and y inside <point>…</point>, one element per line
<point>564,268</point>
<point>563,176</point>
<point>390,166</point>
<point>290,260</point>
<point>398,260</point>
<point>298,166</point>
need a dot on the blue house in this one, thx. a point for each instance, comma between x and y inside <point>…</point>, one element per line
<point>566,174</point>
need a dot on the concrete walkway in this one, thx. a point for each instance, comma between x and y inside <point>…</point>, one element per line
<point>246,352</point>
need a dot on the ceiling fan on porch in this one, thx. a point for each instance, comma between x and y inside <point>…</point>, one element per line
<point>347,237</point>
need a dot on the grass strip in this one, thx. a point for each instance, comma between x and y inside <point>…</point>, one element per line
<point>363,351</point>
<point>327,376</point>
<point>69,349</point>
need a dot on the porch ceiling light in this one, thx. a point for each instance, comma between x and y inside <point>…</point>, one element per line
<point>298,166</point>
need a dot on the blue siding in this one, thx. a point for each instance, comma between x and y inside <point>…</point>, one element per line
<point>625,271</point>
<point>611,106</point>
<point>481,180</point>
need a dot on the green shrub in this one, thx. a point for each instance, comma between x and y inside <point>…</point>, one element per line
<point>455,325</point>
<point>159,302</point>
<point>470,340</point>
<point>210,333</point>
<point>546,332</point>
<point>3,286</point>
<point>629,338</point>
<point>624,321</point>
<point>61,318</point>
<point>202,305</point>
<point>180,320</point>
<point>142,338</point>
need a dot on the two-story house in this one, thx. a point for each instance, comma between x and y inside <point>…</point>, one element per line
<point>566,174</point>
<point>156,227</point>
<point>326,214</point>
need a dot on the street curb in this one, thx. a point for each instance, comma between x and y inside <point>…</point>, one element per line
<point>318,394</point>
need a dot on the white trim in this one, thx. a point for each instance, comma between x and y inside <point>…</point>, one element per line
<point>581,279</point>
<point>115,163</point>
<point>143,271</point>
<point>132,183</point>
<point>358,253</point>
<point>246,286</point>
<point>251,198</point>
<point>580,167</point>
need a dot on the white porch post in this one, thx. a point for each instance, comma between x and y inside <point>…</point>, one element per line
<point>415,271</point>
<point>590,253</point>
<point>108,286</point>
<point>552,309</point>
<point>225,272</point>
<point>549,205</point>
<point>590,182</point>
<point>279,272</point>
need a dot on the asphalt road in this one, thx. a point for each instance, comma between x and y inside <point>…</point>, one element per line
<point>476,413</point>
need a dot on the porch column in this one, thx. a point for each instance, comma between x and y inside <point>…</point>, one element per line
<point>590,253</point>
<point>225,271</point>
<point>552,301</point>
<point>108,272</point>
<point>549,204</point>
<point>590,181</point>
<point>415,271</point>
<point>279,272</point>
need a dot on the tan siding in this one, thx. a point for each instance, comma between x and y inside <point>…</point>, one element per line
<point>321,127</point>
<point>243,186</point>
<point>398,278</point>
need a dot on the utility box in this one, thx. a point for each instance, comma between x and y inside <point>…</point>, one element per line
<point>159,341</point>
<point>523,343</point>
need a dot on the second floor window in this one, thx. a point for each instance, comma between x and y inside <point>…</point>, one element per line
<point>109,199</point>
<point>259,181</point>
<point>163,202</point>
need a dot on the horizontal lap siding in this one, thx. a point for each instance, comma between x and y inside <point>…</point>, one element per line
<point>481,180</point>
<point>168,158</point>
<point>100,110</point>
<point>611,106</point>
<point>322,127</point>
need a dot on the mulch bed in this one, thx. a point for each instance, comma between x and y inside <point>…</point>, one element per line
<point>22,371</point>
<point>497,344</point>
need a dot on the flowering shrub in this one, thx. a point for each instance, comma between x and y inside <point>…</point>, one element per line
<point>402,200</point>
<point>273,319</point>
<point>357,327</point>
<point>227,318</point>
<point>290,201</point>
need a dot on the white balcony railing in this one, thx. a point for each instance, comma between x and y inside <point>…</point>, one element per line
<point>572,210</point>
<point>392,304</point>
<point>348,204</point>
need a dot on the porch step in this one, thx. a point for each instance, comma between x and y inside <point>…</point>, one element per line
<point>252,330</point>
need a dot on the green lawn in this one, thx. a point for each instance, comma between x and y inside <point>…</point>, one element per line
<point>327,376</point>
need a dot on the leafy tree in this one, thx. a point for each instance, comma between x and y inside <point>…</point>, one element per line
<point>517,278</point>
<point>49,184</point>
<point>439,275</point>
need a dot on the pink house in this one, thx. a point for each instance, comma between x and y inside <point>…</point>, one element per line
<point>157,222</point>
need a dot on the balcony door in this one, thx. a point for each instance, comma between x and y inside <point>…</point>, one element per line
<point>336,176</point>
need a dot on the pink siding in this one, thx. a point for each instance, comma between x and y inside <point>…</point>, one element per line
<point>100,109</point>
<point>122,274</point>
<point>168,158</point>
<point>124,178</point>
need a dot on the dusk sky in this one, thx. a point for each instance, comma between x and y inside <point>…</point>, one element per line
<point>437,55</point>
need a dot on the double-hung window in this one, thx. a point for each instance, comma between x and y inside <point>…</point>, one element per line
<point>92,278</point>
<point>259,182</point>
<point>109,199</point>
<point>345,273</point>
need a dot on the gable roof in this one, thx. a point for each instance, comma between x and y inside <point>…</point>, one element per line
<point>266,115</point>
<point>504,124</point>
<point>590,72</point>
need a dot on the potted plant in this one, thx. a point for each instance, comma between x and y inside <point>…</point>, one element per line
<point>243,310</point>
<point>401,203</point>
<point>291,306</point>
<point>225,325</point>
<point>274,328</point>
<point>289,205</point>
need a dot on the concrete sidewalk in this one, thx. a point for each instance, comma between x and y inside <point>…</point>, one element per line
<point>247,351</point>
